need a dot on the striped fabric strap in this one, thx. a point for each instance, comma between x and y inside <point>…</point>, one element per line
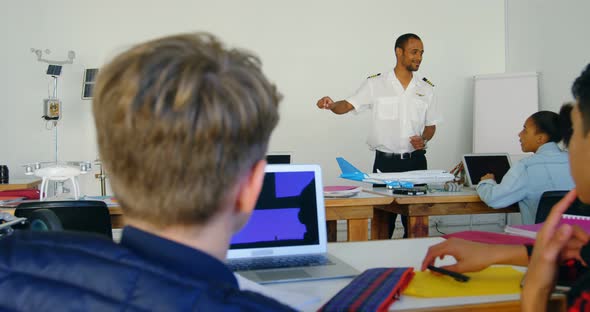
<point>373,290</point>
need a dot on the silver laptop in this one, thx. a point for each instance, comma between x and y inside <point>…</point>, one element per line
<point>478,165</point>
<point>286,239</point>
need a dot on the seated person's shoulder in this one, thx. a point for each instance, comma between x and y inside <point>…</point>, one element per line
<point>542,160</point>
<point>58,240</point>
<point>108,274</point>
<point>59,249</point>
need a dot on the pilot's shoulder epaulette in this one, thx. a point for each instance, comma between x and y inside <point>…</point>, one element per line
<point>373,76</point>
<point>427,81</point>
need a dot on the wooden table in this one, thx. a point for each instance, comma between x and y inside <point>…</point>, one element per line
<point>377,205</point>
<point>356,211</point>
<point>117,219</point>
<point>419,208</point>
<point>116,213</point>
<point>18,184</point>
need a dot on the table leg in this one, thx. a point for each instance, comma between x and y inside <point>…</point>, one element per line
<point>331,226</point>
<point>358,230</point>
<point>117,221</point>
<point>380,224</point>
<point>418,226</point>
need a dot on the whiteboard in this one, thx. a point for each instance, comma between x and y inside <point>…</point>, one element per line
<point>502,103</point>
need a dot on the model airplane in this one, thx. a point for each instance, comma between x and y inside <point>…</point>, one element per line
<point>394,179</point>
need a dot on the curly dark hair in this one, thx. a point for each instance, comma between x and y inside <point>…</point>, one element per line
<point>581,92</point>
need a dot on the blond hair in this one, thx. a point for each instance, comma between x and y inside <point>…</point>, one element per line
<point>179,120</point>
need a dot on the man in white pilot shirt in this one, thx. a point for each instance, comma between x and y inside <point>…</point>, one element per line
<point>404,113</point>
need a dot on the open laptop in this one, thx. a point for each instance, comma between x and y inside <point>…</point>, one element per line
<point>478,165</point>
<point>286,239</point>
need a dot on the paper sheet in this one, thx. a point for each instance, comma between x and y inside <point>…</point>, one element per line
<point>297,301</point>
<point>500,280</point>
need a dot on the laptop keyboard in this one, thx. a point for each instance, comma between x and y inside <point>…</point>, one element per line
<point>277,262</point>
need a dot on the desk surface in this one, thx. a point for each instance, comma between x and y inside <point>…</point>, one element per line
<point>365,197</point>
<point>356,210</point>
<point>18,184</point>
<point>385,253</point>
<point>418,208</point>
<point>467,195</point>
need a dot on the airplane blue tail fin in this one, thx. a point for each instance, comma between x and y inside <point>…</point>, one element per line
<point>349,171</point>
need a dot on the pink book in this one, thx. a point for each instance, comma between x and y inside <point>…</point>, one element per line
<point>492,238</point>
<point>335,188</point>
<point>341,191</point>
<point>530,230</point>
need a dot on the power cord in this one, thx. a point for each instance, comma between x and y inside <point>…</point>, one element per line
<point>436,227</point>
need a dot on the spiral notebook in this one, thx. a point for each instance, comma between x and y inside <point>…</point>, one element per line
<point>530,230</point>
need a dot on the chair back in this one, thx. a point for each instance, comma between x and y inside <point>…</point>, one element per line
<point>74,215</point>
<point>550,198</point>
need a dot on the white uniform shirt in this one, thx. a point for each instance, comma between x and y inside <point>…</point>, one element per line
<point>398,114</point>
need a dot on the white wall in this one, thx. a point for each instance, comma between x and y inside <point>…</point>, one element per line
<point>549,37</point>
<point>309,48</point>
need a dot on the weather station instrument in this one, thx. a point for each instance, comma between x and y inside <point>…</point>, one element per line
<point>56,172</point>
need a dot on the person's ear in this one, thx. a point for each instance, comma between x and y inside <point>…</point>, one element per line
<point>398,52</point>
<point>248,192</point>
<point>542,138</point>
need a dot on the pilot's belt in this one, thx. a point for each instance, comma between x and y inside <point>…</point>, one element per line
<point>415,153</point>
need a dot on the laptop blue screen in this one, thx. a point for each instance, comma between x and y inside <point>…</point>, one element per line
<point>285,213</point>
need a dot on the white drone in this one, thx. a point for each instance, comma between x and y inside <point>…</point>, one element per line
<point>59,172</point>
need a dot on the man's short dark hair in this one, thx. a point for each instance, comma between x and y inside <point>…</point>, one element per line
<point>403,39</point>
<point>581,92</point>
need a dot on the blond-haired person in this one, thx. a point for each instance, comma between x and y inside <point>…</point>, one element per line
<point>183,126</point>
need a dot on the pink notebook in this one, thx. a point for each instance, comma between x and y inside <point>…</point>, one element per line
<point>335,188</point>
<point>530,230</point>
<point>341,191</point>
<point>492,238</point>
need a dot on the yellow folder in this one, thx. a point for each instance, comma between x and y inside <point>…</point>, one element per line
<point>498,280</point>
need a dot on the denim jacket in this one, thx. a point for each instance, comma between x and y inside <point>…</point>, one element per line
<point>547,170</point>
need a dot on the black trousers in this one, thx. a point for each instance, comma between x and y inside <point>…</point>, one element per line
<point>386,162</point>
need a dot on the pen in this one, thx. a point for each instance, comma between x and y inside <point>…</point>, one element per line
<point>457,276</point>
